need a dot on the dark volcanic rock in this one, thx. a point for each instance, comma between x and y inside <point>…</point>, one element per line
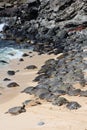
<point>41,123</point>
<point>2,61</point>
<point>21,59</point>
<point>25,55</point>
<point>13,84</point>
<point>31,67</point>
<point>73,105</point>
<point>6,79</point>
<point>11,72</point>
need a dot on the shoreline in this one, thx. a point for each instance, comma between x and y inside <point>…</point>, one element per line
<point>54,117</point>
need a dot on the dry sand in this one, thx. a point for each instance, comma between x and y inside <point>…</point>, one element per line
<point>55,118</point>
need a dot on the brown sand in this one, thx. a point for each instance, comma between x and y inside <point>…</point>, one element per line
<point>55,118</point>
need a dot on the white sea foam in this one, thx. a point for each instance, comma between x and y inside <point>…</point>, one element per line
<point>1,26</point>
<point>1,29</point>
<point>8,54</point>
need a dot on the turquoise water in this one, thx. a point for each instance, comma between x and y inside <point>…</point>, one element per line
<point>10,53</point>
<point>7,54</point>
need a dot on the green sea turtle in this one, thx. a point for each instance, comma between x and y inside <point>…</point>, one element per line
<point>73,105</point>
<point>16,110</point>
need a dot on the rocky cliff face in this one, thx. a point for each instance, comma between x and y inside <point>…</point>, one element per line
<point>48,25</point>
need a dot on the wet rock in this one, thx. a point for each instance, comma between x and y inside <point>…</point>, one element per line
<point>16,110</point>
<point>21,59</point>
<point>25,55</point>
<point>59,101</point>
<point>13,84</point>
<point>30,52</point>
<point>73,105</point>
<point>31,67</point>
<point>3,61</point>
<point>5,28</point>
<point>11,72</point>
<point>6,79</point>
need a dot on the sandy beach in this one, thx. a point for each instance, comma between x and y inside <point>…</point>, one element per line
<point>54,117</point>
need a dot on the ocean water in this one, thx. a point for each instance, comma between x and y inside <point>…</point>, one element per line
<point>7,54</point>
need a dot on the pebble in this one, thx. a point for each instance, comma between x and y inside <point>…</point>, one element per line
<point>31,67</point>
<point>6,79</point>
<point>25,55</point>
<point>21,59</point>
<point>41,123</point>
<point>11,72</point>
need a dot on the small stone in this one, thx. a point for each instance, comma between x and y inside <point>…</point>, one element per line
<point>31,56</point>
<point>31,67</point>
<point>3,61</point>
<point>6,79</point>
<point>11,72</point>
<point>21,59</point>
<point>25,55</point>
<point>41,123</point>
<point>30,52</point>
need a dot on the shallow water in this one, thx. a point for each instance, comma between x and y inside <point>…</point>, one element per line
<point>7,54</point>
